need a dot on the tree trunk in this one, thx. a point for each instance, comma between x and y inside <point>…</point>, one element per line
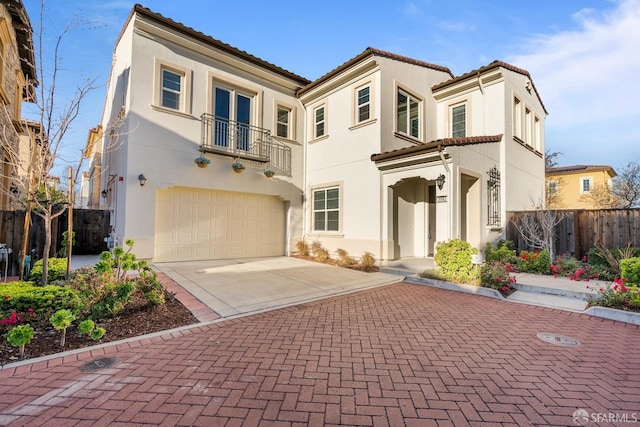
<point>25,240</point>
<point>47,245</point>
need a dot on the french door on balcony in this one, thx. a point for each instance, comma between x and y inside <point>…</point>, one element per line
<point>232,111</point>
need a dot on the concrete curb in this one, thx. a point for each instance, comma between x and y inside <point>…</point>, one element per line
<point>469,289</point>
<point>567,293</point>
<point>613,314</point>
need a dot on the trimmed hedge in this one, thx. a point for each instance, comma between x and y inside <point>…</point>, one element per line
<point>44,300</point>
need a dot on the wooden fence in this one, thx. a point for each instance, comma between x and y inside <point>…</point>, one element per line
<point>580,230</point>
<point>91,227</point>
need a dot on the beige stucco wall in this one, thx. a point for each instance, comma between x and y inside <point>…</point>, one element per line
<point>162,145</point>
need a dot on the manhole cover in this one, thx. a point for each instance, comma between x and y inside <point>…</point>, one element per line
<point>96,364</point>
<point>558,339</point>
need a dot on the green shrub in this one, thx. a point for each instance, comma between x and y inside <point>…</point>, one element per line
<point>44,300</point>
<point>61,320</point>
<point>97,333</point>
<point>57,270</point>
<point>618,296</point>
<point>433,273</point>
<point>454,260</point>
<point>151,287</point>
<point>20,336</point>
<point>114,300</point>
<point>630,270</point>
<point>86,326</point>
<point>503,251</point>
<point>536,262</point>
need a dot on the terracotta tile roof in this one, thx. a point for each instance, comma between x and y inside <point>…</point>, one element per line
<point>486,68</point>
<point>365,54</point>
<point>560,170</point>
<point>435,146</point>
<point>215,43</point>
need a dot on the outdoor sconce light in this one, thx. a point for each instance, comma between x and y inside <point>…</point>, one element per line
<point>105,193</point>
<point>440,181</point>
<point>142,179</point>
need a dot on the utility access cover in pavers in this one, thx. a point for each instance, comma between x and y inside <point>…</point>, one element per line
<point>97,364</point>
<point>558,339</point>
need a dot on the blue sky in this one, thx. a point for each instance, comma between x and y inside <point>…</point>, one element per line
<point>584,56</point>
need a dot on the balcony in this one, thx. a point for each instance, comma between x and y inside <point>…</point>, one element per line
<point>242,141</point>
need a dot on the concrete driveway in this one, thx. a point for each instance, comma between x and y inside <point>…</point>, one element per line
<point>234,287</point>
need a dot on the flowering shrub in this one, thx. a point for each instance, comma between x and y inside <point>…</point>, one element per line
<point>495,275</point>
<point>503,251</point>
<point>536,262</point>
<point>618,296</point>
<point>564,265</point>
<point>17,317</point>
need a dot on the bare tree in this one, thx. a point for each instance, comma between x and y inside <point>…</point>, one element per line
<point>54,112</point>
<point>537,228</point>
<point>551,158</point>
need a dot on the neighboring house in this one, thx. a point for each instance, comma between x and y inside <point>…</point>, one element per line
<point>91,181</point>
<point>569,187</point>
<point>384,154</point>
<point>17,78</point>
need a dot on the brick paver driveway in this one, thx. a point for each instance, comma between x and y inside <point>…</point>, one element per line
<point>395,355</point>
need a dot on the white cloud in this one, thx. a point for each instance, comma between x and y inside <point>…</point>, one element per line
<point>590,75</point>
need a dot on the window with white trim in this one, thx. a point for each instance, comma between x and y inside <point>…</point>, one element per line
<point>326,209</point>
<point>552,187</point>
<point>517,118</point>
<point>528,126</point>
<point>537,143</point>
<point>283,122</point>
<point>319,122</point>
<point>172,86</point>
<point>363,101</point>
<point>408,114</point>
<point>459,121</point>
<point>585,185</point>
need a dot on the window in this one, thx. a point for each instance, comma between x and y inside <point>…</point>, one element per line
<point>319,122</point>
<point>459,121</point>
<point>552,187</point>
<point>585,185</point>
<point>171,89</point>
<point>408,114</point>
<point>537,144</point>
<point>326,209</point>
<point>363,98</point>
<point>232,109</point>
<point>283,120</point>
<point>528,127</point>
<point>493,198</point>
<point>517,118</point>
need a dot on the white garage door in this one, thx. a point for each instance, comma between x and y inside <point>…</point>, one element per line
<point>195,224</point>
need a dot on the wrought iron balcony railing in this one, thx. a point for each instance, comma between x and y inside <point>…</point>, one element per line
<point>243,141</point>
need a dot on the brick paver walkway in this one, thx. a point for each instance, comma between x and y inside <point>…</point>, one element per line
<point>391,356</point>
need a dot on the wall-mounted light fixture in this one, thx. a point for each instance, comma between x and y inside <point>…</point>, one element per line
<point>105,193</point>
<point>440,181</point>
<point>142,179</point>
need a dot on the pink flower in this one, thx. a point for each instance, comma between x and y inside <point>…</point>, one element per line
<point>498,279</point>
<point>505,289</point>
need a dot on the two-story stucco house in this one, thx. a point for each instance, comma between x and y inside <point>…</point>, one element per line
<point>385,154</point>
<point>569,187</point>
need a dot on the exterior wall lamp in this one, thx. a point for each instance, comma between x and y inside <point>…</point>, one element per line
<point>142,179</point>
<point>440,181</point>
<point>105,193</point>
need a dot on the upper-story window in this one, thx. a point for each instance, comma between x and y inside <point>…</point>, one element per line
<point>283,122</point>
<point>172,87</point>
<point>517,118</point>
<point>552,187</point>
<point>585,185</point>
<point>319,122</point>
<point>459,121</point>
<point>408,114</point>
<point>363,98</point>
<point>232,109</point>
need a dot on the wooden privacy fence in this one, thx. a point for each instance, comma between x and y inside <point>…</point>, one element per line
<point>581,230</point>
<point>91,227</point>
